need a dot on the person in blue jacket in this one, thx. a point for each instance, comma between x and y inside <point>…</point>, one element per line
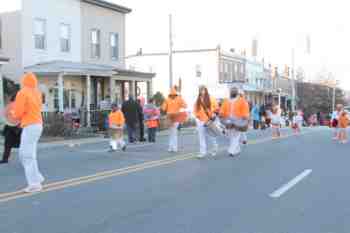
<point>256,116</point>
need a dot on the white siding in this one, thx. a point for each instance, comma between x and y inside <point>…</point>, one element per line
<point>11,44</point>
<point>54,12</point>
<point>184,66</point>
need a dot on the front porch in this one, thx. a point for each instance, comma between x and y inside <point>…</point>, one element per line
<point>87,88</point>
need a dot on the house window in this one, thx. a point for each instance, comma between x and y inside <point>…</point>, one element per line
<point>40,34</point>
<point>95,43</point>
<point>114,42</point>
<point>221,72</point>
<point>65,38</point>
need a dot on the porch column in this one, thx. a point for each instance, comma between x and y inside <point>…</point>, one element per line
<point>60,92</point>
<point>112,89</point>
<point>88,100</point>
<point>1,91</point>
<point>149,89</point>
<point>132,88</point>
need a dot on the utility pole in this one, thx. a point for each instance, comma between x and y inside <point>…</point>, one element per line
<point>334,93</point>
<point>170,52</point>
<point>293,82</point>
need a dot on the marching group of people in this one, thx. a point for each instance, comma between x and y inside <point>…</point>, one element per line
<point>231,118</point>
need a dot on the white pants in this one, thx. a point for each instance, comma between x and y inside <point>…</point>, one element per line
<point>234,137</point>
<point>28,153</point>
<point>173,146</point>
<point>203,136</point>
<point>117,143</point>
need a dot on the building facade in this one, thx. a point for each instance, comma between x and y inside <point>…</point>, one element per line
<point>3,61</point>
<point>78,57</point>
<point>213,68</point>
<point>254,87</point>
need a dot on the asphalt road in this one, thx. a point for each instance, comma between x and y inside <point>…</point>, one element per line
<point>291,185</point>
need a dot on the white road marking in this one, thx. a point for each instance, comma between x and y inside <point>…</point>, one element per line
<point>279,192</point>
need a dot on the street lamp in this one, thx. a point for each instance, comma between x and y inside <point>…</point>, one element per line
<point>279,90</point>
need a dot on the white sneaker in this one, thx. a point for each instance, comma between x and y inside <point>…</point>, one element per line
<point>33,189</point>
<point>213,153</point>
<point>200,156</point>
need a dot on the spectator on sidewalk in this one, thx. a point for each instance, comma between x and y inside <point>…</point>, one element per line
<point>335,120</point>
<point>12,131</point>
<point>141,121</point>
<point>256,116</point>
<point>152,115</point>
<point>131,111</point>
<point>343,125</point>
<point>276,122</point>
<point>297,122</point>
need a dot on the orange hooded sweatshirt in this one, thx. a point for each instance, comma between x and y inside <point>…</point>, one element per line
<point>28,103</point>
<point>201,114</point>
<point>116,118</point>
<point>238,108</point>
<point>173,105</point>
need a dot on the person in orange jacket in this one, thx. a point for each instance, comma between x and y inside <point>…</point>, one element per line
<point>116,127</point>
<point>151,114</point>
<point>27,110</point>
<point>172,106</point>
<point>236,108</point>
<point>204,111</point>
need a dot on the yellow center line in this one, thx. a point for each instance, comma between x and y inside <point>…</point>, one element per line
<point>5,197</point>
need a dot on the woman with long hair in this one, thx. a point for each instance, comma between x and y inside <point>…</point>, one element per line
<point>204,110</point>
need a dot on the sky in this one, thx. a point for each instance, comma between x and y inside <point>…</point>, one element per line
<point>279,26</point>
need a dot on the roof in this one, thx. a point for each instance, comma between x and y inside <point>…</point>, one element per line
<point>74,68</point>
<point>132,73</point>
<point>77,68</point>
<point>109,5</point>
<point>4,60</point>
<point>167,53</point>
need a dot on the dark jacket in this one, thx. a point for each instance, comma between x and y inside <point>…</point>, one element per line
<point>12,136</point>
<point>131,111</point>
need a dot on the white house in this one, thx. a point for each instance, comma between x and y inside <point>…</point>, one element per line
<point>3,61</point>
<point>191,68</point>
<point>77,55</point>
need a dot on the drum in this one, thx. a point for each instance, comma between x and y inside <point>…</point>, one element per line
<point>179,117</point>
<point>116,133</point>
<point>237,124</point>
<point>215,128</point>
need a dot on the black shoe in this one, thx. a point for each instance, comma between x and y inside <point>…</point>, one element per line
<point>111,150</point>
<point>244,142</point>
<point>124,148</point>
<point>4,162</point>
<point>234,155</point>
